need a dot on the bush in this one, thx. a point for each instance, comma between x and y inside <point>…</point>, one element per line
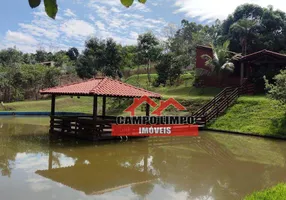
<point>275,193</point>
<point>278,89</point>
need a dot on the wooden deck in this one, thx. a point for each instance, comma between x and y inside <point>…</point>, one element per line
<point>83,127</point>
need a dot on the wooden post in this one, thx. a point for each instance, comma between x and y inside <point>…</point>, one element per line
<point>95,107</point>
<point>53,105</point>
<point>241,73</point>
<point>52,114</point>
<point>103,106</point>
<point>147,109</point>
<point>50,160</point>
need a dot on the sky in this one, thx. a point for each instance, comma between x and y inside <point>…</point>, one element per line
<point>31,29</point>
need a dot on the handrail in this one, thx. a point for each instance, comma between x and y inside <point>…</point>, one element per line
<point>217,105</point>
<point>212,102</point>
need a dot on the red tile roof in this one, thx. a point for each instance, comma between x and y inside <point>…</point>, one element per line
<point>101,87</point>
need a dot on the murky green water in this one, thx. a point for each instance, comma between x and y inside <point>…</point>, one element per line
<point>212,166</point>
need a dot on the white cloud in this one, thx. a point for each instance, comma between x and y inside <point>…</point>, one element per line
<point>114,9</point>
<point>139,7</point>
<point>134,35</point>
<point>69,13</point>
<point>100,25</point>
<point>21,38</point>
<point>77,28</point>
<point>38,31</point>
<point>206,10</point>
<point>109,2</point>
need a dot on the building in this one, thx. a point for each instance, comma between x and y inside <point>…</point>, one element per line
<point>249,69</point>
<point>48,63</point>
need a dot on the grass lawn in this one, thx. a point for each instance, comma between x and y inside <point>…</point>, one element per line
<point>183,90</point>
<point>275,193</point>
<point>253,114</point>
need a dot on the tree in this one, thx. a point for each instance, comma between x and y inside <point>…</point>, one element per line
<point>60,58</point>
<point>183,44</point>
<point>169,69</point>
<point>10,57</point>
<point>99,56</point>
<point>73,53</point>
<point>111,66</point>
<point>278,89</point>
<point>148,50</point>
<point>42,56</point>
<point>29,58</point>
<point>163,69</point>
<point>128,54</point>
<point>220,59</point>
<point>252,28</point>
<point>245,28</point>
<point>51,6</point>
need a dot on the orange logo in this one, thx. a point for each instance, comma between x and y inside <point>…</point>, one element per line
<point>162,106</point>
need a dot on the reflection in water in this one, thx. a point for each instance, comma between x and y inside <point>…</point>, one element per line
<point>212,166</point>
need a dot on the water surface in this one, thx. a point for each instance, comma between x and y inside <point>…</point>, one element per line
<point>212,166</point>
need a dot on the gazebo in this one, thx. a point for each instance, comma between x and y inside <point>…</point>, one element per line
<point>95,126</point>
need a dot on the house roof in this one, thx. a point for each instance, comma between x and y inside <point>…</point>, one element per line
<point>101,87</point>
<point>263,52</point>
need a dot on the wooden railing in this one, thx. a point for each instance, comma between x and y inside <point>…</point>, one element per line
<point>221,102</point>
<point>82,126</point>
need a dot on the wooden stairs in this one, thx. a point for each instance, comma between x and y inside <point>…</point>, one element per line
<point>221,102</point>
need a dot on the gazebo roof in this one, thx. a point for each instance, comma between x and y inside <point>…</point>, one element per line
<point>264,52</point>
<point>100,87</point>
<point>90,179</point>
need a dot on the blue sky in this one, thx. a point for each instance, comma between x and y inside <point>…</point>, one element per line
<point>30,29</point>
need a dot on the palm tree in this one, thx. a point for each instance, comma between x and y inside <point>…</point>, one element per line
<point>245,28</point>
<point>220,59</point>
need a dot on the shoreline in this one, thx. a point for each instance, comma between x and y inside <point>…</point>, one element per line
<point>277,137</point>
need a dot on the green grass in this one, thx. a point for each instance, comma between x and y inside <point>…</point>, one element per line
<point>183,89</point>
<point>253,114</point>
<point>84,104</point>
<point>277,192</point>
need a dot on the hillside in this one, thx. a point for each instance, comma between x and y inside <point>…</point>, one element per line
<point>253,114</point>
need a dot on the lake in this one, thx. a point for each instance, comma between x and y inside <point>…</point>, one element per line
<point>211,166</point>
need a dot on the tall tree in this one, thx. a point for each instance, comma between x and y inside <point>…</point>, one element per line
<point>252,28</point>
<point>169,69</point>
<point>246,29</point>
<point>111,66</point>
<point>183,44</point>
<point>148,51</point>
<point>10,57</point>
<point>99,56</point>
<point>73,53</point>
<point>42,56</point>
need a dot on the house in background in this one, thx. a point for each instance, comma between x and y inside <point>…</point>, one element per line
<point>249,69</point>
<point>48,63</point>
